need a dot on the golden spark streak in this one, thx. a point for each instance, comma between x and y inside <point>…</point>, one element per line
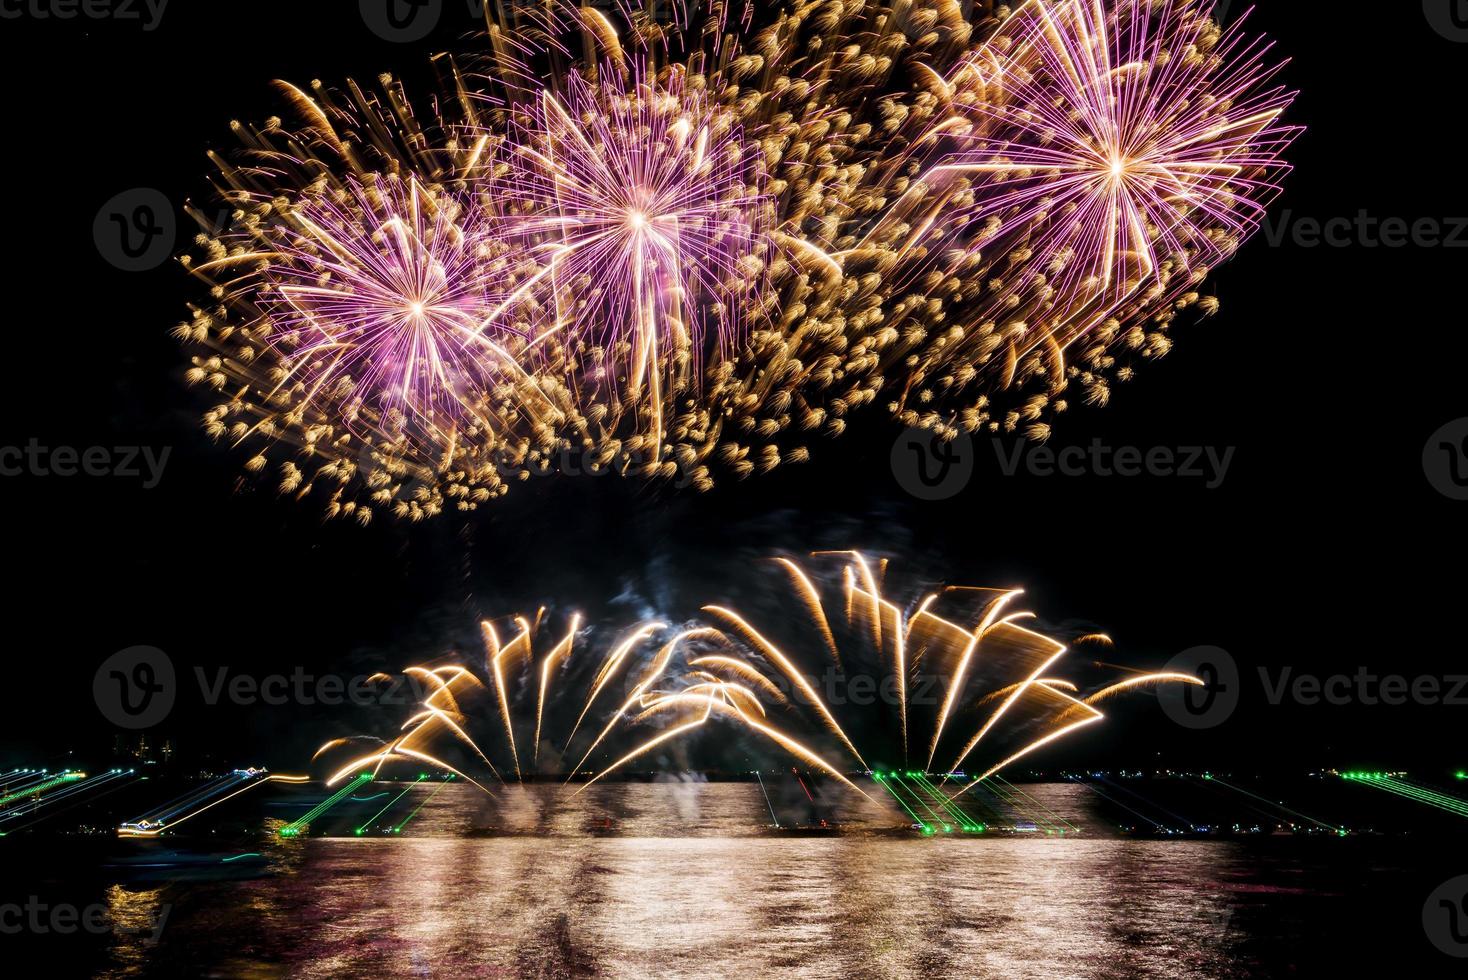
<point>659,665</point>
<point>745,671</point>
<point>496,655</point>
<point>1028,682</point>
<point>955,684</point>
<point>613,661</point>
<point>561,651</point>
<point>648,746</point>
<point>807,590</point>
<point>1158,678</point>
<point>790,671</point>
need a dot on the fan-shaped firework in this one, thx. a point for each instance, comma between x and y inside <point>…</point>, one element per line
<point>927,680</point>
<point>698,242</point>
<point>513,716</point>
<point>950,677</point>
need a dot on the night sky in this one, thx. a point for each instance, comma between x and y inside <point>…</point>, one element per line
<point>1325,549</point>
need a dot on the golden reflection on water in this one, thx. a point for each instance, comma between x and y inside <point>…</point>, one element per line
<point>683,885</point>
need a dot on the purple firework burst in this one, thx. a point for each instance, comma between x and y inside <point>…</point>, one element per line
<point>1128,132</point>
<point>643,203</point>
<point>385,296</point>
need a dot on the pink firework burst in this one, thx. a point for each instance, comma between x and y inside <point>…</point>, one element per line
<point>644,206</point>
<point>1121,134</point>
<point>383,297</point>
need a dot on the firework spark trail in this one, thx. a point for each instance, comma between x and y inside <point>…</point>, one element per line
<point>496,655</point>
<point>1019,691</point>
<point>450,708</point>
<point>955,685</point>
<point>555,658</point>
<point>609,668</point>
<point>788,668</point>
<point>807,591</point>
<point>659,665</point>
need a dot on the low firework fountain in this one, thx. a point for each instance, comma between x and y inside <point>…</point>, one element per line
<point>900,695</point>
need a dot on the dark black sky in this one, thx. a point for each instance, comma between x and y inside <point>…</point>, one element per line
<point>1325,550</point>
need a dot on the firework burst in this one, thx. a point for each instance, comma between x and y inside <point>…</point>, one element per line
<point>1111,140</point>
<point>695,244</point>
<point>381,301</point>
<point>643,199</point>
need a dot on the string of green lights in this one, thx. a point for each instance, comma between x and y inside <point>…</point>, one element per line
<point>436,790</point>
<point>294,828</point>
<point>389,804</point>
<point>1412,791</point>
